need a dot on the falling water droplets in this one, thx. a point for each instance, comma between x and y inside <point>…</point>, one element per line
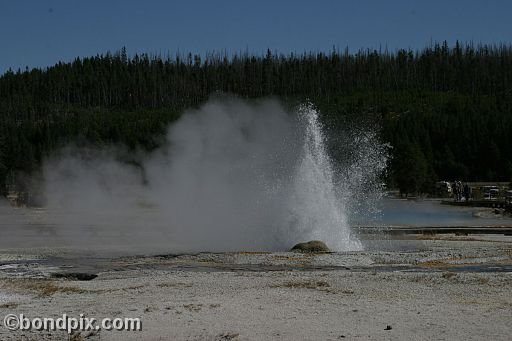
<point>317,211</point>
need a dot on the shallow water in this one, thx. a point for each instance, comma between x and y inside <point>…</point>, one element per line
<point>139,230</point>
<point>395,212</point>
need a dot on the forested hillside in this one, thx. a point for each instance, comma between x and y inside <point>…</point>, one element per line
<point>447,111</point>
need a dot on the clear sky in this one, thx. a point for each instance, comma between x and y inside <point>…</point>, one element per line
<point>39,33</point>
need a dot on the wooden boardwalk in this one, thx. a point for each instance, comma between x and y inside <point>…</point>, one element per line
<point>478,203</point>
<point>457,230</point>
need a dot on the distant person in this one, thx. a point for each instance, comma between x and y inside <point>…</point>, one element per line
<point>455,191</point>
<point>461,190</point>
<point>467,192</point>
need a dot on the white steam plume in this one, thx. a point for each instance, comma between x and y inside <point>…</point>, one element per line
<point>231,176</point>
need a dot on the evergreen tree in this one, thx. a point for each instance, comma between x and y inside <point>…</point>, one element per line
<point>452,106</point>
<point>411,170</point>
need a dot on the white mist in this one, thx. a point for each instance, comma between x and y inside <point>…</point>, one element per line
<point>232,176</point>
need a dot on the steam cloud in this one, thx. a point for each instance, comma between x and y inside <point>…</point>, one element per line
<point>231,176</point>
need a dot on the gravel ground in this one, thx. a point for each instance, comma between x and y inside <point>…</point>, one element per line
<point>449,288</point>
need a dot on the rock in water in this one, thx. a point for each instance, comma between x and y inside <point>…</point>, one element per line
<point>311,246</point>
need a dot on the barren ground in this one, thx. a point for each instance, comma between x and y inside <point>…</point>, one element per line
<point>439,288</point>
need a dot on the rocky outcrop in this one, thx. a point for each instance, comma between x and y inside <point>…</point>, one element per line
<point>312,246</point>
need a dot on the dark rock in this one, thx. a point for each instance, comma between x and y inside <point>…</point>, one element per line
<point>75,276</point>
<point>311,246</point>
<point>388,327</point>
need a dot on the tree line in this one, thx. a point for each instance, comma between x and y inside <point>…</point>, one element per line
<point>445,110</point>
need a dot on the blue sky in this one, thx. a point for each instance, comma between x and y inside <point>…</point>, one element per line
<point>39,33</point>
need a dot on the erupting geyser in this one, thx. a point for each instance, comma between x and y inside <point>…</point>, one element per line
<point>317,210</point>
<point>231,176</point>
